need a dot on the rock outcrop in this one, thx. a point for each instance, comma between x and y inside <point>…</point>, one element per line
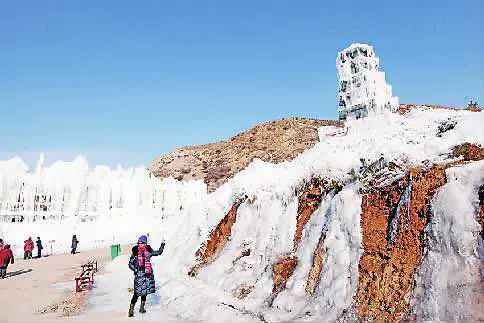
<point>406,107</point>
<point>393,221</point>
<point>468,151</point>
<point>210,250</point>
<point>395,218</point>
<point>480,217</point>
<point>316,267</point>
<point>216,163</point>
<point>282,271</point>
<point>308,203</point>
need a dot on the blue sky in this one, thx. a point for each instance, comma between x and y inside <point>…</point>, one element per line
<point>126,81</point>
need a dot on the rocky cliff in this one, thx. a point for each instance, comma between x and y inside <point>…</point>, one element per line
<point>379,222</point>
<point>394,222</point>
<point>215,163</point>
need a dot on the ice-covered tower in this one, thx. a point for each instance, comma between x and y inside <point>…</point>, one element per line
<point>362,87</point>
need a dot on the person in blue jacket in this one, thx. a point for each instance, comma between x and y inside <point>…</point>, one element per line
<point>140,264</point>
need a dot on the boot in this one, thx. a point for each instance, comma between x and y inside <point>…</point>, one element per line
<point>131,310</point>
<point>142,307</point>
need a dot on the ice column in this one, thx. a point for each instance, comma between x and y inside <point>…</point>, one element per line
<point>362,87</point>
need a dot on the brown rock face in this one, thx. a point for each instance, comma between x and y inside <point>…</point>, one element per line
<point>393,221</point>
<point>469,152</point>
<point>283,270</point>
<point>405,108</point>
<point>308,203</point>
<point>316,267</point>
<point>209,251</point>
<point>243,291</point>
<point>216,163</point>
<point>244,253</point>
<point>480,217</point>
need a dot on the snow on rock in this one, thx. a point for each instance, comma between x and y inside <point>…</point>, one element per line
<point>217,240</point>
<point>449,282</point>
<point>338,281</point>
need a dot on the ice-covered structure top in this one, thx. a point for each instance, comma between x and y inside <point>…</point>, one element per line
<point>362,87</point>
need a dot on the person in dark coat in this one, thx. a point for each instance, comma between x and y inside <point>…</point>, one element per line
<point>140,264</point>
<point>74,244</point>
<point>1,244</point>
<point>38,242</point>
<point>6,257</point>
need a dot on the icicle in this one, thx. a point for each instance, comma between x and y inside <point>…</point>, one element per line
<point>394,227</point>
<point>409,198</point>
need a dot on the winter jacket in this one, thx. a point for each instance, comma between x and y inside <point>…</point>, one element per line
<point>29,245</point>
<point>39,244</point>
<point>74,243</point>
<point>6,257</point>
<point>144,283</point>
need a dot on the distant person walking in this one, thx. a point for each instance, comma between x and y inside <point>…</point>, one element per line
<point>74,244</point>
<point>28,247</point>
<point>144,280</point>
<point>6,257</point>
<point>38,242</point>
<point>1,244</point>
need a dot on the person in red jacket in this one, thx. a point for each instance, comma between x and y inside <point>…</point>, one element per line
<point>6,257</point>
<point>28,247</point>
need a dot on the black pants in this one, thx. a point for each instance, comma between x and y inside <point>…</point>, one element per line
<point>73,251</point>
<point>28,255</point>
<point>3,272</point>
<point>39,253</point>
<point>135,298</point>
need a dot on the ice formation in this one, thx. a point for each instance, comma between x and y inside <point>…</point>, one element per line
<point>67,198</point>
<point>72,189</point>
<point>448,279</point>
<point>362,87</point>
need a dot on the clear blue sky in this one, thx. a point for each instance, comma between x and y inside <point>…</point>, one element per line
<point>125,81</point>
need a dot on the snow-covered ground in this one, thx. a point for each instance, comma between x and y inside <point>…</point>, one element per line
<point>183,214</point>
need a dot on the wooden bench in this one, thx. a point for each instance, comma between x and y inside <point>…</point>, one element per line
<point>86,279</point>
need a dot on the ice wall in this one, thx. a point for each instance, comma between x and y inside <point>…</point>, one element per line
<point>362,87</point>
<point>72,189</point>
<point>100,205</point>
